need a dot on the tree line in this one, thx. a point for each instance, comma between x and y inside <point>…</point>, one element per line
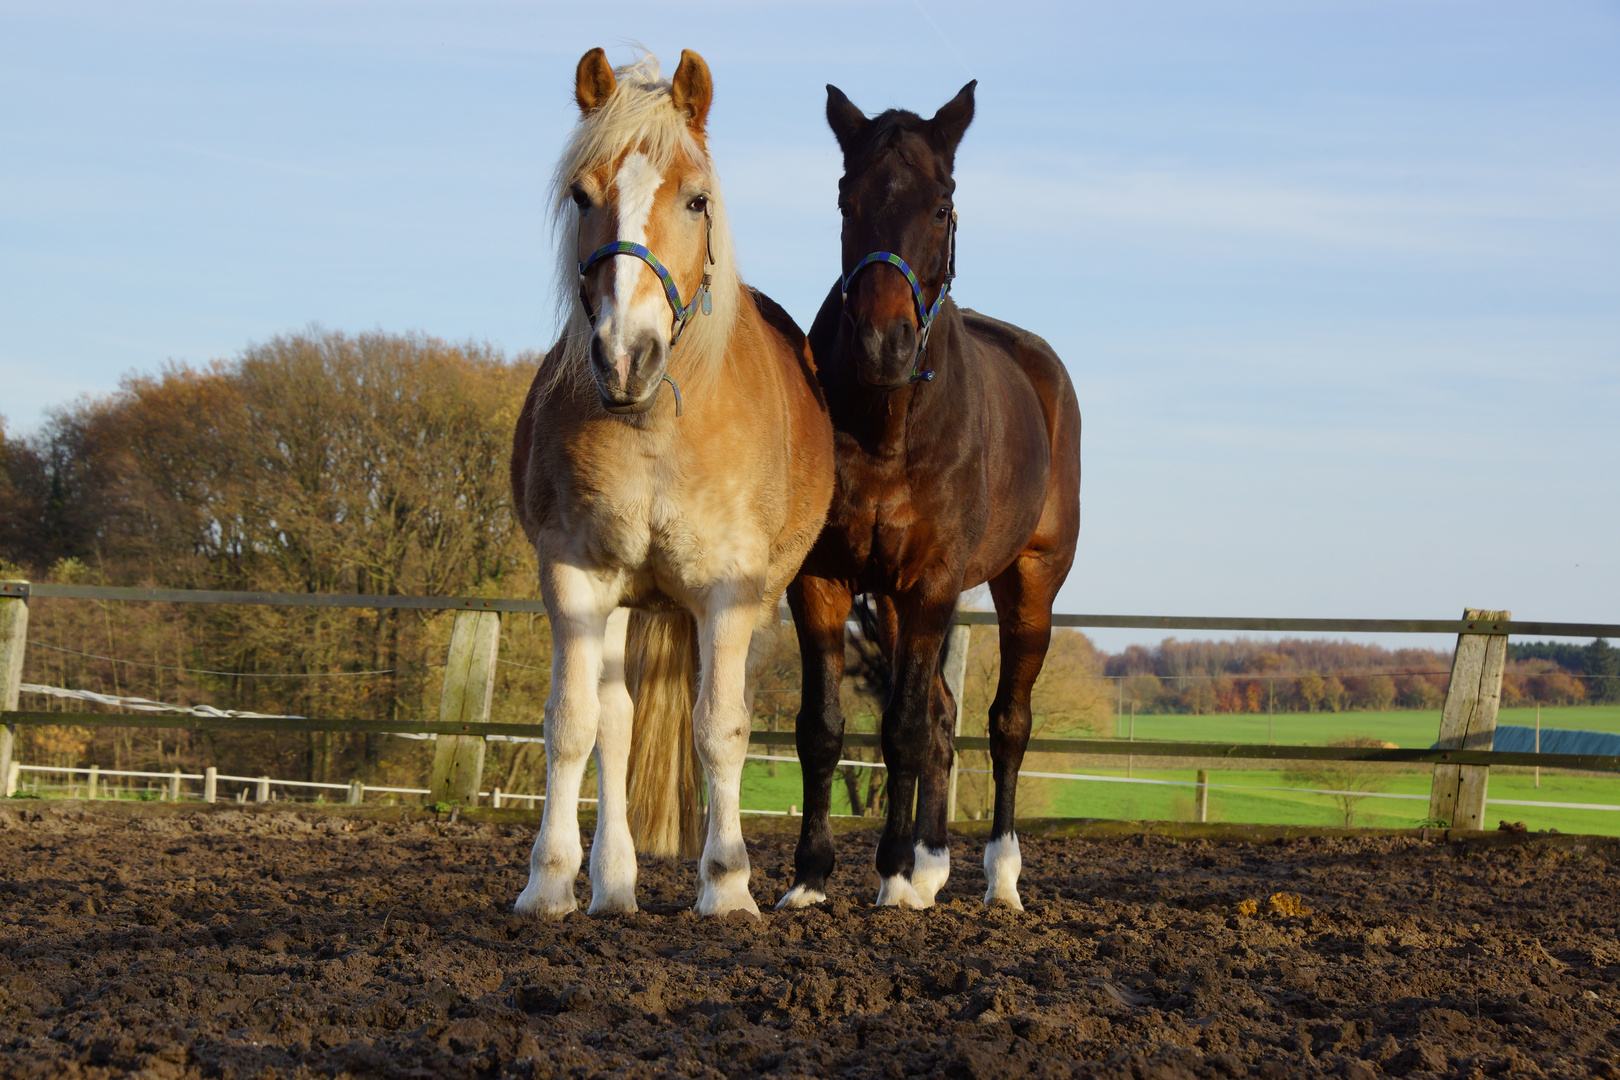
<point>1243,675</point>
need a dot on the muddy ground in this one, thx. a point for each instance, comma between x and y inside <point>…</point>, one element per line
<point>246,943</point>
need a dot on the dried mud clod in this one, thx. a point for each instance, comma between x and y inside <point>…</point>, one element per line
<point>241,943</point>
<point>1286,905</point>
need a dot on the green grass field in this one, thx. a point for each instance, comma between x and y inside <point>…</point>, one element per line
<point>1407,728</point>
<point>1245,799</point>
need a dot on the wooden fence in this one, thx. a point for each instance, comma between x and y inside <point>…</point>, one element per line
<point>1461,759</point>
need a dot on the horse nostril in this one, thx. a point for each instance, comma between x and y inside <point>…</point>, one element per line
<point>871,342</point>
<point>900,342</point>
<point>647,356</point>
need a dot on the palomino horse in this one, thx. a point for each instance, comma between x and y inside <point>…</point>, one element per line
<point>958,442</point>
<point>697,504</point>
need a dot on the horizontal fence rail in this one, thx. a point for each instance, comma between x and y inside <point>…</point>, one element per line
<point>270,599</point>
<point>1460,764</point>
<point>1096,747</point>
<point>1518,627</point>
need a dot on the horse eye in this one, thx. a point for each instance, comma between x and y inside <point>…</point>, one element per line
<point>581,200</point>
<point>699,204</point>
<point>942,215</point>
<point>843,209</point>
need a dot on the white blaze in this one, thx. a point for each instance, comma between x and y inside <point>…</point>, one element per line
<point>638,183</point>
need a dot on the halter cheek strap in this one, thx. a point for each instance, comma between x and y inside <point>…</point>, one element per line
<point>925,314</point>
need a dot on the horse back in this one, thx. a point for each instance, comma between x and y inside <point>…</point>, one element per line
<point>1039,363</point>
<point>1032,359</point>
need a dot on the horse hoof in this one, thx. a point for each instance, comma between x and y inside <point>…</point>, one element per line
<point>535,901</point>
<point>929,872</point>
<point>898,892</point>
<point>800,896</point>
<point>607,904</point>
<point>723,901</point>
<point>1007,899</point>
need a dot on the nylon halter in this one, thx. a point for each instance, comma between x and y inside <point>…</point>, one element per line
<point>672,292</point>
<point>925,314</point>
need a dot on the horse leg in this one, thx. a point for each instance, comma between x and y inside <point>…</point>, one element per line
<point>1023,596</point>
<point>578,624</point>
<point>931,855</point>
<point>613,852</point>
<point>820,610</point>
<point>720,726</point>
<point>910,747</point>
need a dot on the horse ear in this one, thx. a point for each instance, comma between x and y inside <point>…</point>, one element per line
<point>847,122</point>
<point>953,118</point>
<point>692,89</point>
<point>593,80</point>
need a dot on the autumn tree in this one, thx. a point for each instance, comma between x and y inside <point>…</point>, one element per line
<point>317,462</point>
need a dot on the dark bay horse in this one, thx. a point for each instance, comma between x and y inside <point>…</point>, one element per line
<point>958,463</point>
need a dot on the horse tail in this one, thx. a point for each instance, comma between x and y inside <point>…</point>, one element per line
<point>665,781</point>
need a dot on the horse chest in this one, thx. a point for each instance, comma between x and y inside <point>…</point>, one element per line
<point>876,515</point>
<point>644,519</point>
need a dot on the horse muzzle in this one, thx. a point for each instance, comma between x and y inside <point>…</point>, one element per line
<point>633,387</point>
<point>630,408</point>
<point>884,358</point>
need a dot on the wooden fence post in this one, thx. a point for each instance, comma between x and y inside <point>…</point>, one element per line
<point>210,784</point>
<point>357,793</point>
<point>956,653</point>
<point>1201,797</point>
<point>262,792</point>
<point>1468,721</point>
<point>174,785</point>
<point>91,782</point>
<point>13,639</point>
<point>469,683</point>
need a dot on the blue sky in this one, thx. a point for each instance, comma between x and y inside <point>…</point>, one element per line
<point>1338,284</point>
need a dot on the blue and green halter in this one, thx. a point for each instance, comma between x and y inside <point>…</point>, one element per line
<point>683,312</point>
<point>925,314</point>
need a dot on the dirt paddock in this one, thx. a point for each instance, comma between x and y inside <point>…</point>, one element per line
<point>225,942</point>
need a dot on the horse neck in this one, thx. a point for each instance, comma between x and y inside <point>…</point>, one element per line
<point>711,393</point>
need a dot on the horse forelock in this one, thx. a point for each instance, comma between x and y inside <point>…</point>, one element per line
<point>887,132</point>
<point>639,119</point>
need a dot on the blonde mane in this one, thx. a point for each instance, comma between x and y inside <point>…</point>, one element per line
<point>639,114</point>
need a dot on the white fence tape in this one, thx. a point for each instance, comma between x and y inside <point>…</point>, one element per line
<point>140,704</point>
<point>147,705</point>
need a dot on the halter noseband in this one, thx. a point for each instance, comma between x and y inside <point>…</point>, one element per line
<point>925,315</point>
<point>672,293</point>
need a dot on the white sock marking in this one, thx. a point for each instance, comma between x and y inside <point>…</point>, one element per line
<point>897,891</point>
<point>1002,862</point>
<point>613,853</point>
<point>930,871</point>
<point>800,896</point>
